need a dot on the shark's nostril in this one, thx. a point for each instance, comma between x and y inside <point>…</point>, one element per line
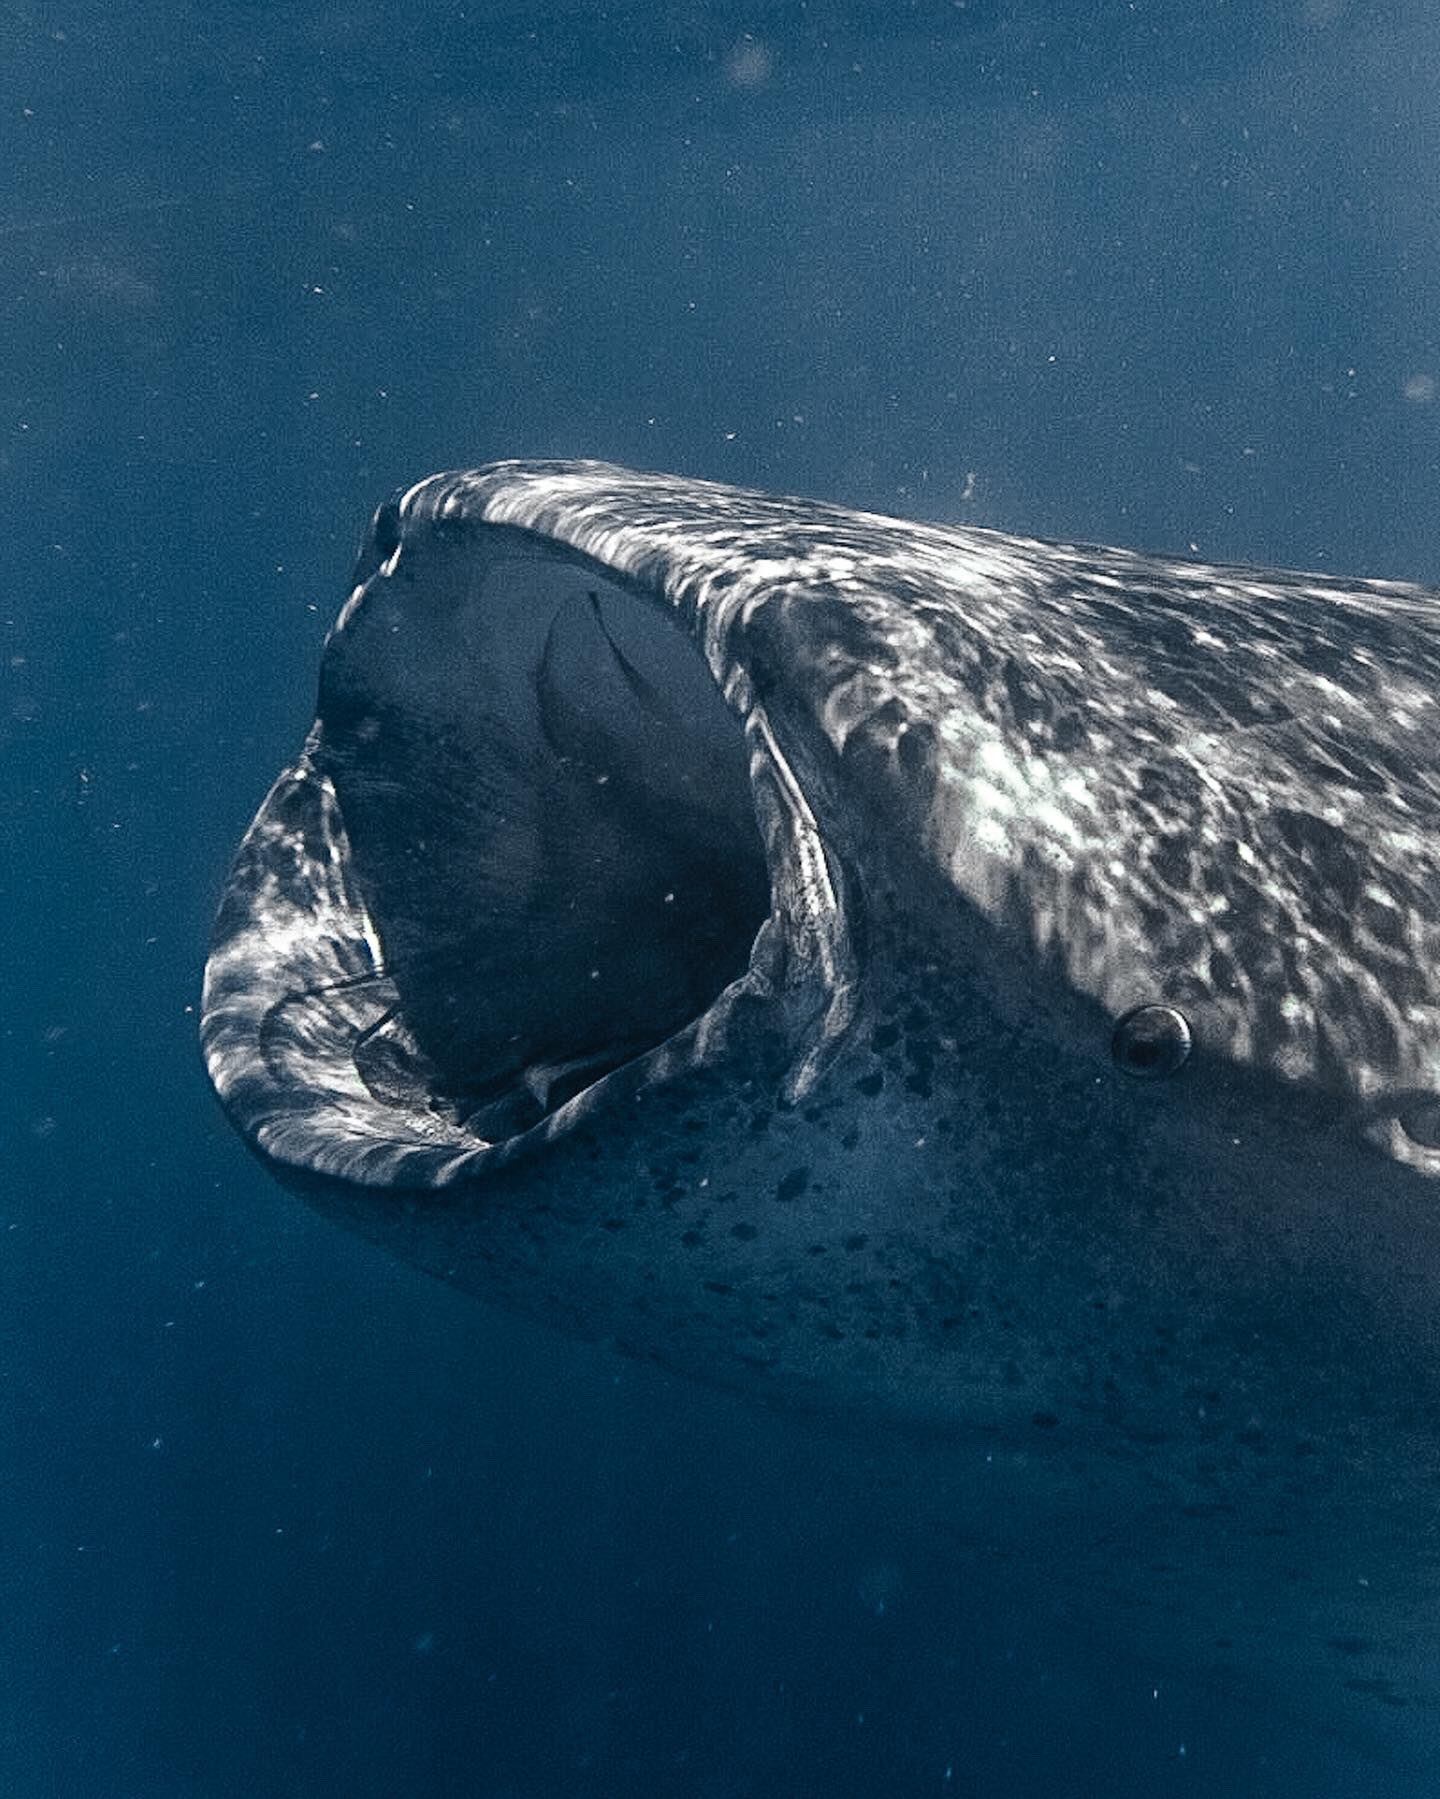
<point>385,530</point>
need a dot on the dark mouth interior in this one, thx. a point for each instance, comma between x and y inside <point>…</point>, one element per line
<point>550,821</point>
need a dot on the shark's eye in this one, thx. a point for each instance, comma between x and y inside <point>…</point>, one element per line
<point>1151,1041</point>
<point>1419,1118</point>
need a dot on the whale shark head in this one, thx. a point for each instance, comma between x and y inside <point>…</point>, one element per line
<point>918,973</point>
<point>572,715</point>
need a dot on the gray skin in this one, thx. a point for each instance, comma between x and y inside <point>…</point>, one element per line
<point>714,923</point>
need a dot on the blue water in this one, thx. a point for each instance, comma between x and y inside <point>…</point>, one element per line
<point>278,1517</point>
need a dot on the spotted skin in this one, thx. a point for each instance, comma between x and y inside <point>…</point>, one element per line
<point>860,1136</point>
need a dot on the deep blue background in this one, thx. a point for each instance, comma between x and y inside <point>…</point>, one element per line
<point>277,1517</point>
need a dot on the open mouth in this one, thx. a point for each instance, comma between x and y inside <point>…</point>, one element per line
<point>539,848</point>
<point>549,821</point>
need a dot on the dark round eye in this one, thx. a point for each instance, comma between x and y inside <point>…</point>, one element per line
<point>1419,1118</point>
<point>1151,1041</point>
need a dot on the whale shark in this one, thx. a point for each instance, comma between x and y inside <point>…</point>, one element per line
<point>982,991</point>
